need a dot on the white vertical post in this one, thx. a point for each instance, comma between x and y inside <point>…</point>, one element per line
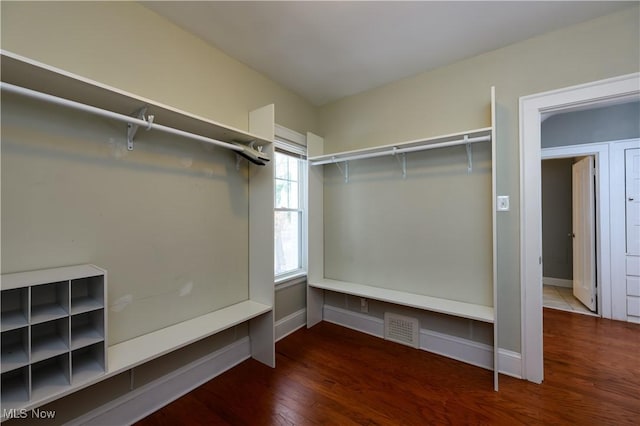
<point>315,209</point>
<point>261,273</point>
<point>494,268</point>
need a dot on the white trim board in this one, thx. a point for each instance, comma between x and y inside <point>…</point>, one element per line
<point>532,109</point>
<point>291,323</point>
<point>457,348</point>
<point>141,402</point>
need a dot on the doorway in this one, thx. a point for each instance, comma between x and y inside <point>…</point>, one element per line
<point>569,218</point>
<point>532,108</point>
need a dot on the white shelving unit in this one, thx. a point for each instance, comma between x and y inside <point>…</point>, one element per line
<point>30,74</point>
<point>428,303</point>
<point>318,283</point>
<point>39,356</point>
<point>48,374</point>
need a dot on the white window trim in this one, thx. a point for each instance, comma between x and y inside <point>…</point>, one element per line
<point>295,143</point>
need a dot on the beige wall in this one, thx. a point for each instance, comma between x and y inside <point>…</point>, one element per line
<point>169,221</point>
<point>125,45</point>
<point>456,98</point>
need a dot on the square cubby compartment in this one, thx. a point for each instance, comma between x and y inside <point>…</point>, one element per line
<point>87,294</point>
<point>49,301</point>
<point>50,376</point>
<point>15,349</point>
<point>87,363</point>
<point>87,329</point>
<point>49,339</point>
<point>15,308</point>
<point>15,387</point>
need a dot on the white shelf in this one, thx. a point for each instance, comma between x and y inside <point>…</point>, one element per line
<point>45,276</point>
<point>85,304</point>
<point>35,75</point>
<point>13,356</point>
<point>14,388</point>
<point>13,319</point>
<point>15,309</point>
<point>428,303</point>
<point>48,312</point>
<point>85,365</point>
<point>417,144</point>
<point>49,379</point>
<point>47,347</point>
<point>85,370</point>
<point>87,294</point>
<point>85,335</point>
<point>131,353</point>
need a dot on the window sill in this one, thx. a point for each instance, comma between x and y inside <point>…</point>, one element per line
<point>290,279</point>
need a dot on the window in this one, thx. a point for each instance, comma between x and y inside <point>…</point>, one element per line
<point>289,211</point>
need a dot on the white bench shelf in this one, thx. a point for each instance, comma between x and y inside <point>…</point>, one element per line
<point>428,303</point>
<point>126,355</point>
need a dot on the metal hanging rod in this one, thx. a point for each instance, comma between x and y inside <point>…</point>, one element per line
<point>395,150</point>
<point>140,120</point>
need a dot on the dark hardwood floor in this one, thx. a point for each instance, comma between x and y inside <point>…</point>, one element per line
<point>330,375</point>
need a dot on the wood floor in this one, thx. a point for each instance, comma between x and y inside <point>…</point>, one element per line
<point>330,375</point>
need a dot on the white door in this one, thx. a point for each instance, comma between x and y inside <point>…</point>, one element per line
<point>584,249</point>
<point>632,160</point>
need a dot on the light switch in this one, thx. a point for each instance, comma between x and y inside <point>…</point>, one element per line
<point>503,203</point>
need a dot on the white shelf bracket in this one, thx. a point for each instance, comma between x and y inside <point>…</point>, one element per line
<point>132,129</point>
<point>402,160</point>
<point>469,156</point>
<point>345,171</point>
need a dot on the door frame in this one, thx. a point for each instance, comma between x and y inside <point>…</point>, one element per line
<point>532,110</point>
<point>600,151</point>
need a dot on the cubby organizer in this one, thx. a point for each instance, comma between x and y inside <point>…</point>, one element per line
<point>53,332</point>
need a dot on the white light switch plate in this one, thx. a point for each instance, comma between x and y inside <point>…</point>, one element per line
<point>503,203</point>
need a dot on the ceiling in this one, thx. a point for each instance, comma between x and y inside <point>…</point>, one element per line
<point>327,50</point>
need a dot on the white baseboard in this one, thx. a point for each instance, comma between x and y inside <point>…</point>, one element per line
<point>464,350</point>
<point>558,282</point>
<point>147,399</point>
<point>290,323</point>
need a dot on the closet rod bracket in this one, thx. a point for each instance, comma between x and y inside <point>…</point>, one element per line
<point>402,160</point>
<point>469,155</point>
<point>132,129</point>
<point>345,171</point>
